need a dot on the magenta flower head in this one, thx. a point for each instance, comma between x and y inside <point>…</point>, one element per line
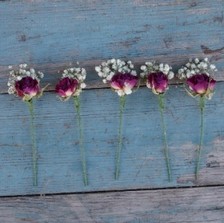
<point>66,87</point>
<point>123,83</point>
<point>158,82</point>
<point>201,84</point>
<point>197,74</point>
<point>157,76</point>
<point>27,86</point>
<point>119,75</point>
<point>71,83</point>
<point>25,82</point>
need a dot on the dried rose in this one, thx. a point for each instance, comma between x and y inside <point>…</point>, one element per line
<point>197,74</point>
<point>123,83</point>
<point>27,88</point>
<point>66,87</point>
<point>158,82</point>
<point>201,84</point>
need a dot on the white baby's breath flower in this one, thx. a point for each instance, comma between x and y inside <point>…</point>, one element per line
<point>212,67</point>
<point>109,68</point>
<point>149,63</point>
<point>32,71</point>
<point>18,78</point>
<point>11,90</point>
<point>97,69</point>
<point>153,67</point>
<point>143,68</point>
<point>171,75</point>
<point>133,72</point>
<point>196,60</point>
<point>188,65</point>
<point>193,66</point>
<point>83,85</point>
<point>167,67</point>
<point>188,74</point>
<point>196,66</point>
<point>76,73</point>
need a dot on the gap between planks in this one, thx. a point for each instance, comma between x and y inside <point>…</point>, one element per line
<point>114,191</point>
<point>189,205</point>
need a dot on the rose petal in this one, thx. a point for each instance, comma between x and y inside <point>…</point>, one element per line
<point>27,86</point>
<point>158,82</point>
<point>66,87</point>
<point>199,83</point>
<point>212,84</point>
<point>124,82</point>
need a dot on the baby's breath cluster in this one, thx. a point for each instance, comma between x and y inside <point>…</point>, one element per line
<point>16,74</point>
<point>76,73</point>
<point>110,67</point>
<point>153,67</point>
<point>196,66</point>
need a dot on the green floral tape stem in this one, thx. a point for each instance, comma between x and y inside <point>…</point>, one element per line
<point>166,150</point>
<point>82,149</point>
<point>34,147</point>
<point>198,159</point>
<point>120,137</point>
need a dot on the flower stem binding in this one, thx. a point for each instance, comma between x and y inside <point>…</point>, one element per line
<point>119,147</point>
<point>166,150</point>
<point>34,147</point>
<point>82,149</point>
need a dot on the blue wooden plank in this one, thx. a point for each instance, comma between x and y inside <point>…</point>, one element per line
<point>74,27</point>
<point>203,204</point>
<point>52,35</point>
<point>143,164</point>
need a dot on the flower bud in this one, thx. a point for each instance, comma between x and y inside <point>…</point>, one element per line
<point>66,87</point>
<point>27,88</point>
<point>201,84</point>
<point>123,83</point>
<point>158,82</point>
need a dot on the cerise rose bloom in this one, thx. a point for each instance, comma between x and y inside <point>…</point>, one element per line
<point>27,88</point>
<point>201,84</point>
<point>158,82</point>
<point>66,87</point>
<point>123,83</point>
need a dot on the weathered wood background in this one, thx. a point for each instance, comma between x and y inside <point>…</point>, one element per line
<point>53,35</point>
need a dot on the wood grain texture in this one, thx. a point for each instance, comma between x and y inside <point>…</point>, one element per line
<point>52,35</point>
<point>205,205</point>
<point>143,164</point>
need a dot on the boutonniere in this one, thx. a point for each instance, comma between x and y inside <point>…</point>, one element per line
<point>122,78</point>
<point>199,83</point>
<point>70,86</point>
<point>24,82</point>
<point>157,78</point>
